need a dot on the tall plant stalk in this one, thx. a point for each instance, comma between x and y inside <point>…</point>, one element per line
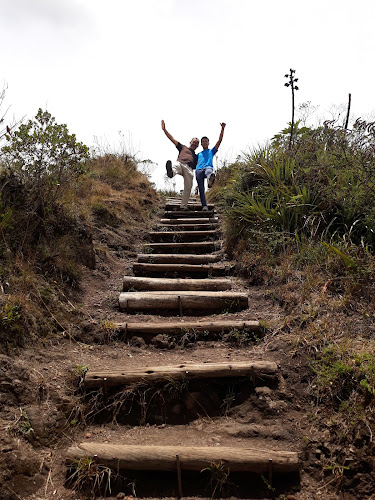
<point>291,84</point>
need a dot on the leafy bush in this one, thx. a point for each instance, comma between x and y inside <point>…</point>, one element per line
<point>44,157</point>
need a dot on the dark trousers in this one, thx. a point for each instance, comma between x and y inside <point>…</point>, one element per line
<point>201,174</point>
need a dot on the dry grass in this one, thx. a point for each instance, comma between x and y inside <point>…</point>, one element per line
<point>41,268</point>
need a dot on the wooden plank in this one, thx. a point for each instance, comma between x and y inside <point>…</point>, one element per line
<point>179,236</point>
<point>182,301</point>
<point>191,206</point>
<point>192,220</point>
<point>163,458</point>
<point>188,371</point>
<point>188,227</point>
<point>206,269</point>
<point>197,247</point>
<point>137,283</point>
<point>188,214</point>
<point>170,258</point>
<point>180,328</point>
<point>178,199</point>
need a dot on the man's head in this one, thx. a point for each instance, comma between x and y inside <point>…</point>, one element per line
<point>194,143</point>
<point>205,142</point>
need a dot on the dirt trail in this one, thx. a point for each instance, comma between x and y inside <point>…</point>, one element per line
<point>268,417</point>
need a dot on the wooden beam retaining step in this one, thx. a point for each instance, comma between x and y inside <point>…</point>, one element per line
<point>181,327</point>
<point>187,214</point>
<point>188,371</point>
<point>179,236</point>
<point>137,283</point>
<point>188,227</point>
<point>192,221</point>
<point>169,207</point>
<point>178,199</point>
<point>171,258</point>
<point>182,301</point>
<point>206,269</point>
<point>163,458</point>
<point>197,247</point>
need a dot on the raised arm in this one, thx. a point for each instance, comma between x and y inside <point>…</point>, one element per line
<point>221,135</point>
<point>168,134</point>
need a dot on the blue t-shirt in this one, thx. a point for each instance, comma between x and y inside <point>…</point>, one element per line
<point>206,157</point>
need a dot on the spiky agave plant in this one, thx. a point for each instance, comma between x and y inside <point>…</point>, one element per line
<point>279,201</point>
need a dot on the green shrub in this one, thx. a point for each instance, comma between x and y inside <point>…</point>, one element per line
<point>319,191</point>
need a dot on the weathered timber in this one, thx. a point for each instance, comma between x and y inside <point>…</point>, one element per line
<point>179,236</point>
<point>191,206</point>
<point>180,328</point>
<point>183,301</point>
<point>171,258</point>
<point>141,269</point>
<point>163,458</point>
<point>188,371</point>
<point>196,247</point>
<point>193,221</point>
<point>188,227</point>
<point>176,199</point>
<point>176,214</point>
<point>138,283</point>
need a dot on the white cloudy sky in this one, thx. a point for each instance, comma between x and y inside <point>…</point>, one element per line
<point>123,65</point>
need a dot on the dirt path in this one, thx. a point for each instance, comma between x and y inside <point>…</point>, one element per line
<point>267,417</point>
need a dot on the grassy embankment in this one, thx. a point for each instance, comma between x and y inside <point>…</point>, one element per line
<point>301,223</point>
<point>55,200</point>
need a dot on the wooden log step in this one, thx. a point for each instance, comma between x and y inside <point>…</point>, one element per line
<point>189,227</point>
<point>187,214</point>
<point>187,371</point>
<point>192,220</point>
<point>177,236</point>
<point>180,328</point>
<point>137,283</point>
<point>195,247</point>
<point>140,269</point>
<point>178,199</point>
<point>184,301</point>
<point>170,258</point>
<point>191,206</point>
<point>163,458</point>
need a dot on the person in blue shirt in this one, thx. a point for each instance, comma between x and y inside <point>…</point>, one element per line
<point>204,169</point>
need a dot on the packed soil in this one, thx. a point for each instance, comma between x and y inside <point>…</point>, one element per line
<point>43,410</point>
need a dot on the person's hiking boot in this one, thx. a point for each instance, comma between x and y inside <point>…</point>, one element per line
<point>168,166</point>
<point>185,209</point>
<point>205,208</point>
<point>211,180</point>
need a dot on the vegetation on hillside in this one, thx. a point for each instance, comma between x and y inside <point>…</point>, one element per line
<point>300,220</point>
<point>54,196</point>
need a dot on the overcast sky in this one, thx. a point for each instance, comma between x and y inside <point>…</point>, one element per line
<point>103,67</point>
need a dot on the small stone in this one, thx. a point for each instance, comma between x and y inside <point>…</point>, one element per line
<point>264,391</point>
<point>121,496</point>
<point>88,435</point>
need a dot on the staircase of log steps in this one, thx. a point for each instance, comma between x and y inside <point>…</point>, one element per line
<point>181,273</point>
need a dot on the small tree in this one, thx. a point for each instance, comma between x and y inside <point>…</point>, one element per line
<point>291,83</point>
<point>44,156</point>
